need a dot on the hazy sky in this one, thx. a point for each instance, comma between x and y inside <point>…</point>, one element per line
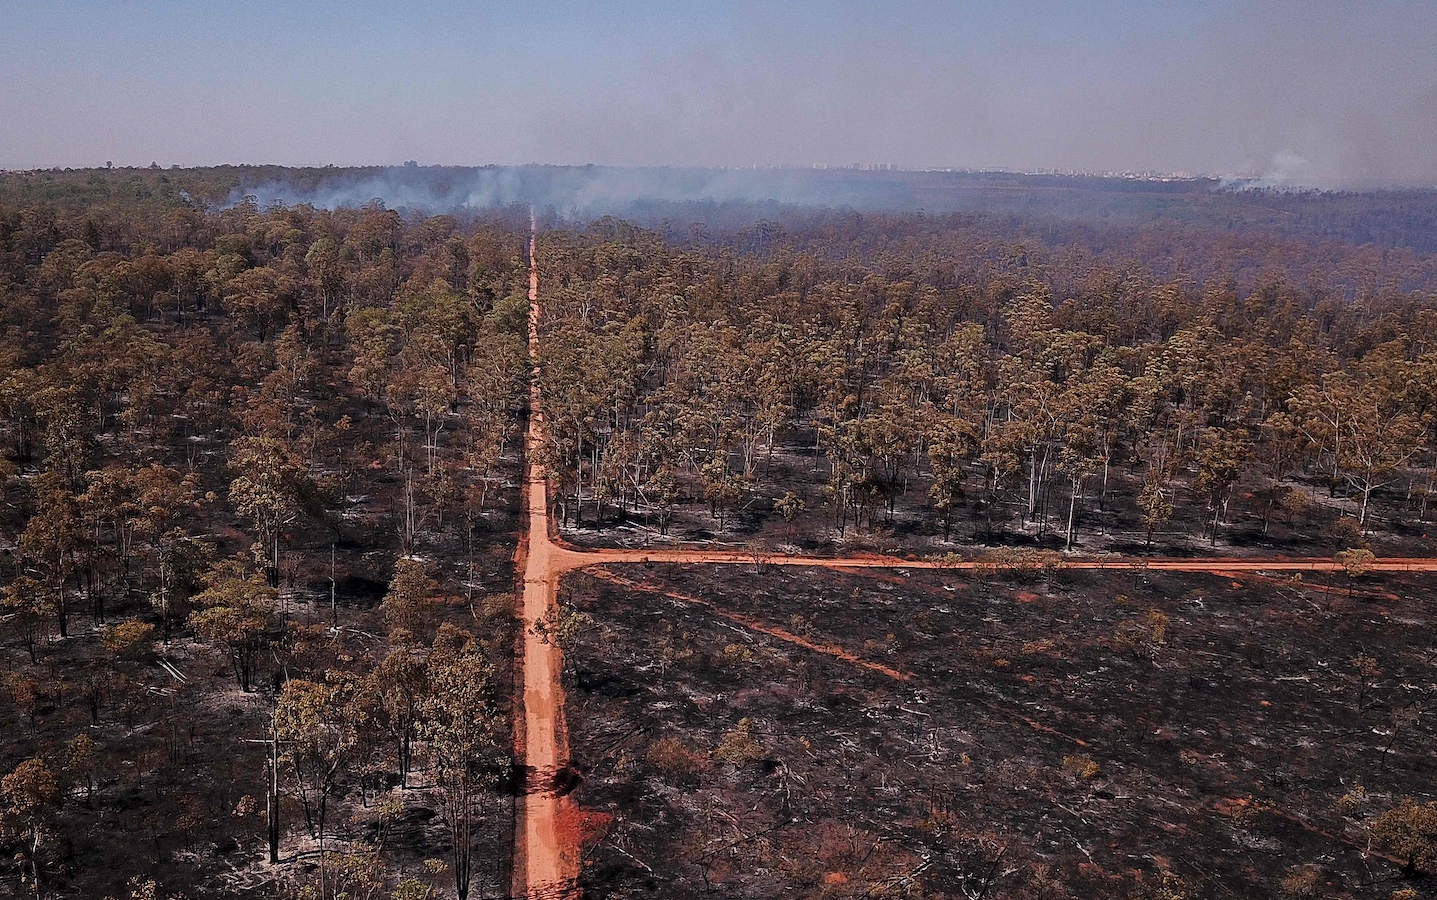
<point>1318,92</point>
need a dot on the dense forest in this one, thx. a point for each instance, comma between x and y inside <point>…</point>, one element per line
<point>259,503</point>
<point>261,466</point>
<point>904,375</point>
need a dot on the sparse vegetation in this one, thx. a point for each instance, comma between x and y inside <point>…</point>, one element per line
<point>844,779</point>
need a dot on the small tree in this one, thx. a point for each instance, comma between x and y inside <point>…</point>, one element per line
<point>129,639</point>
<point>1408,831</point>
<point>31,800</point>
<point>563,626</point>
<point>661,491</point>
<point>1355,562</point>
<point>235,612</point>
<point>1366,669</point>
<point>1157,509</point>
<point>80,763</point>
<point>410,591</point>
<point>790,506</point>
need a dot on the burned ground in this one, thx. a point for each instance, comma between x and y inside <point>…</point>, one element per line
<point>160,755</point>
<point>1110,734</point>
<point>172,787</point>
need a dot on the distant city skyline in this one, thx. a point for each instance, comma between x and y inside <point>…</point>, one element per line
<point>1318,93</point>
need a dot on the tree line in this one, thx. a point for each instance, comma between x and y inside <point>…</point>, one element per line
<point>1026,385</point>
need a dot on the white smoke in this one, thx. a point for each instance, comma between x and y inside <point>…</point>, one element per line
<point>579,191</point>
<point>650,194</point>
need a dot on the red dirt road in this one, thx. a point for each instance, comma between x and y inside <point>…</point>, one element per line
<point>546,855</point>
<point>547,844</point>
<point>567,559</point>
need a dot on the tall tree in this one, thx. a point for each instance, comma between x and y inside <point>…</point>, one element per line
<point>462,725</point>
<point>314,722</point>
<point>31,800</point>
<point>266,490</point>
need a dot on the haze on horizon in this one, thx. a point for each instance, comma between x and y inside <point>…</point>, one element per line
<point>1318,93</point>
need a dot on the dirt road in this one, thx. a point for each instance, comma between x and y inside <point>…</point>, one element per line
<point>566,559</point>
<point>545,858</point>
<point>547,841</point>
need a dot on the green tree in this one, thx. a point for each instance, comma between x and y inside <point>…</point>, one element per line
<point>1363,428</point>
<point>462,727</point>
<point>1409,831</point>
<point>314,721</point>
<point>50,543</point>
<point>1222,455</point>
<point>1078,467</point>
<point>266,491</point>
<point>69,435</point>
<point>24,603</point>
<point>951,447</point>
<point>790,506</point>
<point>235,612</point>
<point>407,604</point>
<point>401,684</point>
<point>259,299</point>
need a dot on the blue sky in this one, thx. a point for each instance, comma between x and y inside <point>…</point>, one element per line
<point>1320,92</point>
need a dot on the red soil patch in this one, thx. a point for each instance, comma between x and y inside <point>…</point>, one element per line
<point>579,828</point>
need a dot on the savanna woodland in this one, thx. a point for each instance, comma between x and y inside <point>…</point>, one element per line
<point>262,498</point>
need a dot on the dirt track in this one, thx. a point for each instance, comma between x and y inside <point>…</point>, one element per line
<point>568,559</point>
<point>545,858</point>
<point>547,841</point>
